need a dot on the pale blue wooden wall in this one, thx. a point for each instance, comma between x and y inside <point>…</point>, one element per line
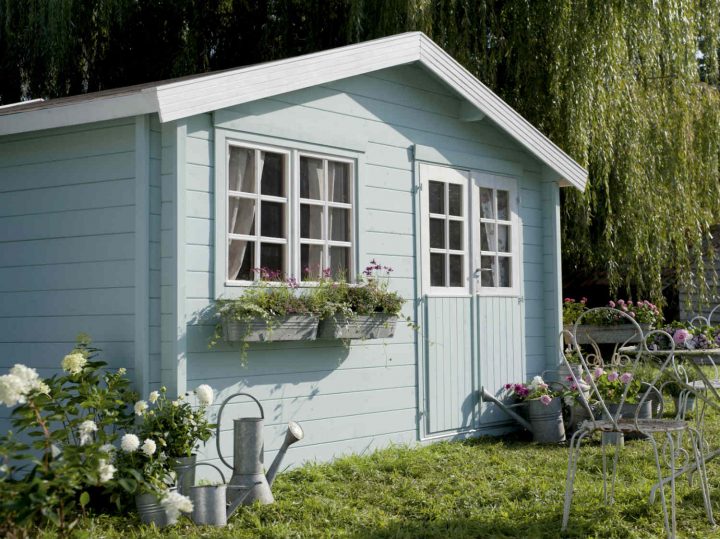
<point>362,397</point>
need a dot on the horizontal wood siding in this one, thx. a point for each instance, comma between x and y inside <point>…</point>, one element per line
<point>356,398</point>
<point>67,233</point>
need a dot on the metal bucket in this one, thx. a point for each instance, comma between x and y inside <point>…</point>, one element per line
<point>209,502</point>
<point>151,511</point>
<point>185,473</point>
<point>547,422</point>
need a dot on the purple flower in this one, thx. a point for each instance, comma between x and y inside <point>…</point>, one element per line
<point>626,377</point>
<point>546,400</point>
<point>507,386</point>
<point>613,376</point>
<point>598,372</point>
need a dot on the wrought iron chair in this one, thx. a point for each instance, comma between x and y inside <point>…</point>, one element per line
<point>612,424</point>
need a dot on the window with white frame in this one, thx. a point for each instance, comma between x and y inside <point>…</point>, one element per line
<point>326,217</point>
<point>446,227</point>
<point>498,236</point>
<point>289,213</point>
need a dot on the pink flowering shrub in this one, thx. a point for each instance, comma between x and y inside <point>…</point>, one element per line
<point>611,385</point>
<point>643,311</point>
<point>535,389</point>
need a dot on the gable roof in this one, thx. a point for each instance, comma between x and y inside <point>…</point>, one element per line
<point>187,96</point>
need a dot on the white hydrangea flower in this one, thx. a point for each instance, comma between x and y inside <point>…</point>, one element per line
<point>74,363</point>
<point>176,403</point>
<point>148,447</point>
<point>204,394</point>
<point>154,396</point>
<point>109,450</point>
<point>30,379</point>
<point>175,503</point>
<point>122,370</point>
<point>86,430</point>
<point>106,471</point>
<point>140,407</point>
<point>538,383</point>
<point>129,443</point>
<point>16,386</point>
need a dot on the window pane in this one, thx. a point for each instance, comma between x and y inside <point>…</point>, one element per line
<point>272,256</point>
<point>456,270</point>
<point>487,271</point>
<point>340,263</point>
<point>311,261</point>
<point>241,260</point>
<point>503,238</point>
<point>504,273</point>
<point>311,221</point>
<point>272,180</point>
<point>273,219</point>
<point>487,236</point>
<point>312,181</point>
<point>437,233</point>
<point>241,170</point>
<point>437,197</point>
<point>455,202</point>
<point>456,235</point>
<point>339,182</point>
<point>503,205</point>
<point>487,209</point>
<point>241,216</point>
<point>437,269</point>
<point>339,224</point>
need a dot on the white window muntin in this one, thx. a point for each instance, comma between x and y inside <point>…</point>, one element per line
<point>512,253</point>
<point>325,241</point>
<point>445,175</point>
<point>257,197</point>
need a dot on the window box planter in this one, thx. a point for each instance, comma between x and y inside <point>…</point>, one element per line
<point>622,333</point>
<point>371,326</point>
<point>294,327</point>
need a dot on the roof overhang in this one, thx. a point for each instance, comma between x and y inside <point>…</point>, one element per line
<point>186,97</point>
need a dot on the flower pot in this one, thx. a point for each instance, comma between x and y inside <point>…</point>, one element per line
<point>151,511</point>
<point>685,406</point>
<point>563,372</point>
<point>547,421</point>
<point>371,326</point>
<point>620,333</point>
<point>294,327</point>
<point>185,472</point>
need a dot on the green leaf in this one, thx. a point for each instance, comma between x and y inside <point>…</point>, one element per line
<point>84,499</point>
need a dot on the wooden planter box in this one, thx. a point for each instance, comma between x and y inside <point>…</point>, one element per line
<point>619,334</point>
<point>371,326</point>
<point>295,327</point>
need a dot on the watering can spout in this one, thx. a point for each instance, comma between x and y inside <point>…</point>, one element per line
<point>294,434</point>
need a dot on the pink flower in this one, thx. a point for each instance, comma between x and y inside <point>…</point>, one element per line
<point>611,304</point>
<point>621,302</point>
<point>568,300</point>
<point>681,335</point>
<point>598,372</point>
<point>546,400</point>
<point>613,376</point>
<point>626,377</point>
<point>583,300</point>
<point>632,314</point>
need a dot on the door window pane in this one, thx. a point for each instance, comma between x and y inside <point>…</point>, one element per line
<point>456,270</point>
<point>437,233</point>
<point>273,219</point>
<point>456,235</point>
<point>312,180</point>
<point>487,207</point>
<point>272,181</point>
<point>340,263</point>
<point>339,182</point>
<point>504,274</point>
<point>487,271</point>
<point>503,205</point>
<point>241,170</point>
<point>241,216</point>
<point>437,269</point>
<point>311,221</point>
<point>311,262</point>
<point>339,224</point>
<point>436,197</point>
<point>455,202</point>
<point>487,236</point>
<point>504,238</point>
<point>241,260</point>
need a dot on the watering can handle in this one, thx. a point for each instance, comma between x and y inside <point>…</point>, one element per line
<point>217,429</point>
<point>179,479</point>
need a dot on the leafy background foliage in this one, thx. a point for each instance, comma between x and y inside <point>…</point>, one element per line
<point>629,89</point>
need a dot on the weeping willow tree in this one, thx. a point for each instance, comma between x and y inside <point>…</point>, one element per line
<point>628,88</point>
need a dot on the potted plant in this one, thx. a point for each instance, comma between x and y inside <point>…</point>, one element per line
<point>178,428</point>
<point>366,310</point>
<point>606,326</point>
<point>544,407</point>
<point>274,310</point>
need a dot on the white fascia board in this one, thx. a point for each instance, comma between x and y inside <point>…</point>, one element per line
<point>80,112</point>
<point>450,71</point>
<point>187,98</point>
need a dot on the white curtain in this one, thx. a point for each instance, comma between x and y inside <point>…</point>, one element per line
<point>315,191</point>
<point>241,211</point>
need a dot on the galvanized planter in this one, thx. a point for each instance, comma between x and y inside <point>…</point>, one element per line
<point>294,327</point>
<point>621,333</point>
<point>185,473</point>
<point>547,421</point>
<point>151,511</point>
<point>371,326</point>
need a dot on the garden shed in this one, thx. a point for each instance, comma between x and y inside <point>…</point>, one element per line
<point>120,217</point>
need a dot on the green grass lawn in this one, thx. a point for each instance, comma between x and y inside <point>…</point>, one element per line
<point>488,488</point>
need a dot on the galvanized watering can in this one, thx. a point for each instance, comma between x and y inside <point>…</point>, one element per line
<point>249,482</point>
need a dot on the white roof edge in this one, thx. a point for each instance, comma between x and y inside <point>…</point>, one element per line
<point>183,98</point>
